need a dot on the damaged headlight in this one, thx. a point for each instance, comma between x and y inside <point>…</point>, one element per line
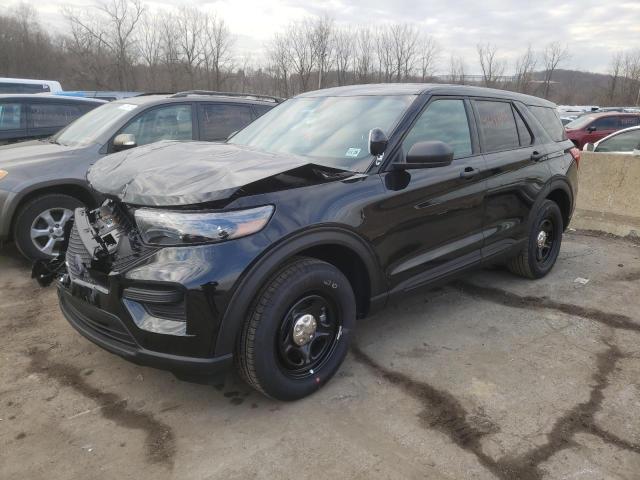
<point>162,227</point>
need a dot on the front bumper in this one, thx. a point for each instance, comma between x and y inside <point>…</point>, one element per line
<point>110,332</point>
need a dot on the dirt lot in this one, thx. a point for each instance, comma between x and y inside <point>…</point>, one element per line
<point>491,377</point>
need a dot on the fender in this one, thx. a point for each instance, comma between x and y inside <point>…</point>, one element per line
<point>9,209</point>
<point>251,281</point>
<point>554,183</point>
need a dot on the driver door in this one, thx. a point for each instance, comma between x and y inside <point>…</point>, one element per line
<point>434,215</point>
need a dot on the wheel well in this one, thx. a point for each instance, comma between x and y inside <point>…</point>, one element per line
<point>352,266</point>
<point>72,190</point>
<point>562,199</point>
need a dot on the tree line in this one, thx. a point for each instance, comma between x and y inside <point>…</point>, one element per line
<point>124,45</point>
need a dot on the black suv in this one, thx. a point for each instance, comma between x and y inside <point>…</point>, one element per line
<point>27,117</point>
<point>266,249</point>
<point>42,182</point>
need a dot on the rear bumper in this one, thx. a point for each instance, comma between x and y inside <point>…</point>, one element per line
<point>109,332</point>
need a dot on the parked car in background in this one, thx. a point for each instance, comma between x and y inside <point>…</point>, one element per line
<point>593,127</point>
<point>101,95</point>
<point>27,117</point>
<point>625,142</point>
<point>264,250</point>
<point>42,182</point>
<point>27,85</point>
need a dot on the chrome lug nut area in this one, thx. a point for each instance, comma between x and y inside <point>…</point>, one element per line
<point>304,329</point>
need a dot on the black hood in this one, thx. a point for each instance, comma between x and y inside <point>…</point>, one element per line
<point>171,173</point>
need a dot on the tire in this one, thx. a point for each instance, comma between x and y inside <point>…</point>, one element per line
<point>32,216</point>
<point>267,356</point>
<point>534,261</point>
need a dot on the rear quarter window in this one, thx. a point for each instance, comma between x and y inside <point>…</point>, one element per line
<point>550,121</point>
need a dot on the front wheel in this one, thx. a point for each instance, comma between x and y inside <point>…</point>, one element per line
<point>539,255</point>
<point>298,330</point>
<point>39,227</point>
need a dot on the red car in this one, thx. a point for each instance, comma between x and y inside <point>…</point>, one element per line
<point>595,126</point>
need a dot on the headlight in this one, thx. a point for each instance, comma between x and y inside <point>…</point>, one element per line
<point>3,173</point>
<point>162,227</point>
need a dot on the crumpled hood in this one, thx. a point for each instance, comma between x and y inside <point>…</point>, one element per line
<point>171,173</point>
<point>31,153</point>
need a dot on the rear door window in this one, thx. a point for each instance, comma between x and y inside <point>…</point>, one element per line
<point>550,121</point>
<point>626,122</point>
<point>47,115</point>
<point>219,120</point>
<point>172,122</point>
<point>261,109</point>
<point>443,120</point>
<point>497,125</point>
<point>11,116</point>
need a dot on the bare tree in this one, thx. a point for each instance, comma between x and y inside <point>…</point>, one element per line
<point>300,45</point>
<point>344,50</point>
<point>427,56</point>
<point>280,55</point>
<point>170,48</point>
<point>384,55</point>
<point>364,55</point>
<point>404,42</point>
<point>322,44</point>
<point>615,70</point>
<point>112,29</point>
<point>554,54</point>
<point>524,68</point>
<point>217,51</point>
<point>150,46</point>
<point>190,23</point>
<point>457,70</point>
<point>492,68</point>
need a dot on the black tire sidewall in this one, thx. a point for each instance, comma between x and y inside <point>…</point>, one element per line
<point>26,215</point>
<point>550,210</point>
<point>321,278</point>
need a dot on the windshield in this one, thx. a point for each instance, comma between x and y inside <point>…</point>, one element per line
<point>88,128</point>
<point>579,122</point>
<point>334,131</point>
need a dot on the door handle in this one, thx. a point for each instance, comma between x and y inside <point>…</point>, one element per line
<point>536,156</point>
<point>469,172</point>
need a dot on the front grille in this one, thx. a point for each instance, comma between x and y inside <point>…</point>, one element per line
<point>88,317</point>
<point>77,256</point>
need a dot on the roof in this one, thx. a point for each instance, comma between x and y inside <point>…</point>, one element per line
<point>425,88</point>
<point>146,99</point>
<point>50,97</point>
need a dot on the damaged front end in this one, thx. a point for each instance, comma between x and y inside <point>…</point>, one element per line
<point>95,242</point>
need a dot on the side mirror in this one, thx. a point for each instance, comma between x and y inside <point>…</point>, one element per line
<point>430,154</point>
<point>378,142</point>
<point>591,129</point>
<point>124,141</point>
<point>589,147</point>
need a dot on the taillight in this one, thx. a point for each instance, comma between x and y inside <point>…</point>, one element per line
<point>575,153</point>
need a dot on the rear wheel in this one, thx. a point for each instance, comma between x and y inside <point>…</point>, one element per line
<point>298,329</point>
<point>40,225</point>
<point>539,255</point>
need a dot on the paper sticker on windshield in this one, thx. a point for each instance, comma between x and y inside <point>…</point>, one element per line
<point>127,106</point>
<point>352,152</point>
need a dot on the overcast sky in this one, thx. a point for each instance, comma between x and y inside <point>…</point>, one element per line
<point>592,29</point>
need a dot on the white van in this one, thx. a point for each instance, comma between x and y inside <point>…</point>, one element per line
<point>27,85</point>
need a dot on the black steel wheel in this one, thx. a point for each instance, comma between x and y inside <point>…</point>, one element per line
<point>308,335</point>
<point>298,329</point>
<point>539,255</point>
